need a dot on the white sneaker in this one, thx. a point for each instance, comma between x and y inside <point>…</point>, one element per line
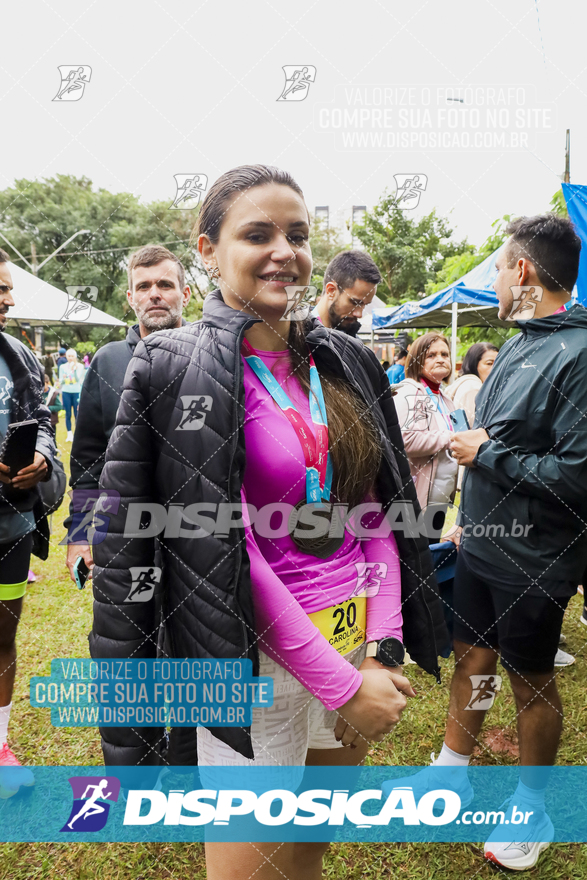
<point>69,438</point>
<point>524,853</point>
<point>563,659</point>
<point>434,777</point>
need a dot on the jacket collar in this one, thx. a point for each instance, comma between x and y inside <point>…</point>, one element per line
<point>219,314</point>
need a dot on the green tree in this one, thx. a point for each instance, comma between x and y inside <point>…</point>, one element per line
<point>558,205</point>
<point>409,252</point>
<point>46,213</point>
<point>326,242</point>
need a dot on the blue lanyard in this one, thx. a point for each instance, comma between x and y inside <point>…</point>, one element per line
<point>440,407</point>
<point>314,450</point>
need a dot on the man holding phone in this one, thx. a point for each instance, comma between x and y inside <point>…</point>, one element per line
<point>21,400</point>
<point>523,541</point>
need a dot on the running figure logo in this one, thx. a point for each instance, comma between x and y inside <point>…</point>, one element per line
<point>88,526</point>
<point>300,301</point>
<point>526,298</point>
<point>297,82</point>
<point>78,290</point>
<point>195,409</point>
<point>144,581</point>
<point>76,309</point>
<point>369,575</point>
<point>421,411</point>
<point>484,688</point>
<point>74,78</point>
<point>189,190</point>
<point>409,188</point>
<point>90,810</point>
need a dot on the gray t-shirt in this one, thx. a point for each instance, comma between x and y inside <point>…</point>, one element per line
<point>13,524</point>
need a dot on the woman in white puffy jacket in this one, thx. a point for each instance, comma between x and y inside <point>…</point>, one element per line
<point>423,413</point>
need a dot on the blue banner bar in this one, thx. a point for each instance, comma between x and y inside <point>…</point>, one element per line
<point>361,804</point>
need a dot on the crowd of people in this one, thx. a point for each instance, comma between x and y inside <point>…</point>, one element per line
<point>253,407</point>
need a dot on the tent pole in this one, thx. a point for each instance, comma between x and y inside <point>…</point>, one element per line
<point>453,340</point>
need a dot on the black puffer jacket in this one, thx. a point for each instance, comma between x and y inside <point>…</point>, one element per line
<point>207,591</point>
<point>27,403</point>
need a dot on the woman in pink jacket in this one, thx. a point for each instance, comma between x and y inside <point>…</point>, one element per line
<point>423,413</point>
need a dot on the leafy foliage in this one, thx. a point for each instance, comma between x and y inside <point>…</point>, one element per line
<point>48,212</point>
<point>409,252</point>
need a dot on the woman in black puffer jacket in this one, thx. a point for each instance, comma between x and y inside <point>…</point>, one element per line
<point>253,236</point>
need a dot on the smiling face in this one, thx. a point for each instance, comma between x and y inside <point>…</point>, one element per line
<point>437,362</point>
<point>263,247</point>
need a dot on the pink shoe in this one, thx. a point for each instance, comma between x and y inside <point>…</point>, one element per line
<point>12,773</point>
<point>32,577</point>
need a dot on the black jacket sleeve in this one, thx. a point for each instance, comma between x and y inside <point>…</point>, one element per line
<point>90,438</point>
<point>424,628</point>
<point>122,628</point>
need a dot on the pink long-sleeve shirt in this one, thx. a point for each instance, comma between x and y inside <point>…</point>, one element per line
<point>287,583</point>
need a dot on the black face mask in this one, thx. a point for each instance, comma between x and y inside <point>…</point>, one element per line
<point>350,329</point>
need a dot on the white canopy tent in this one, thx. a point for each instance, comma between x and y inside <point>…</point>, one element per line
<point>40,304</point>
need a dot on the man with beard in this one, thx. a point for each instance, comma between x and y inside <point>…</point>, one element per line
<point>350,283</point>
<point>158,294</point>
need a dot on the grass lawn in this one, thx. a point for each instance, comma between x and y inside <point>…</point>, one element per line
<point>55,623</point>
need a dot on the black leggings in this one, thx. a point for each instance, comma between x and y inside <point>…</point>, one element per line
<point>15,559</point>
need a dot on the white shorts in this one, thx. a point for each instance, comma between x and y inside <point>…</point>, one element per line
<point>282,733</point>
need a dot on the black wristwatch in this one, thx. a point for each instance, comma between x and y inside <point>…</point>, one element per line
<point>389,651</point>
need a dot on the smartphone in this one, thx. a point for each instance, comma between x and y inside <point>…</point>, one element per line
<point>80,572</point>
<point>18,448</point>
<point>459,420</point>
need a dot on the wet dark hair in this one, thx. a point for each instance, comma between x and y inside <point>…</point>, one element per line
<point>354,442</point>
<point>552,246</point>
<point>221,193</point>
<point>473,356</point>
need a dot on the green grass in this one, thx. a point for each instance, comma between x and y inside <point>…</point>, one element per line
<point>55,623</point>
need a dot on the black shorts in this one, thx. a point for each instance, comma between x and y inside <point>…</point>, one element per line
<point>523,622</point>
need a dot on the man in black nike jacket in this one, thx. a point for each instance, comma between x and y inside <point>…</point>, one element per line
<point>523,515</point>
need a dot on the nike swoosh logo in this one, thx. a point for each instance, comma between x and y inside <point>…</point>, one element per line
<point>528,365</point>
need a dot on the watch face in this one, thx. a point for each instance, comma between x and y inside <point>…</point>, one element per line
<point>391,652</point>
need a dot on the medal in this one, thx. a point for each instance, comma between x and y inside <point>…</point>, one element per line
<point>316,456</point>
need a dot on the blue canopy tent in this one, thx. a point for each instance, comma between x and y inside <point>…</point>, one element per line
<point>469,302</point>
<point>576,199</point>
